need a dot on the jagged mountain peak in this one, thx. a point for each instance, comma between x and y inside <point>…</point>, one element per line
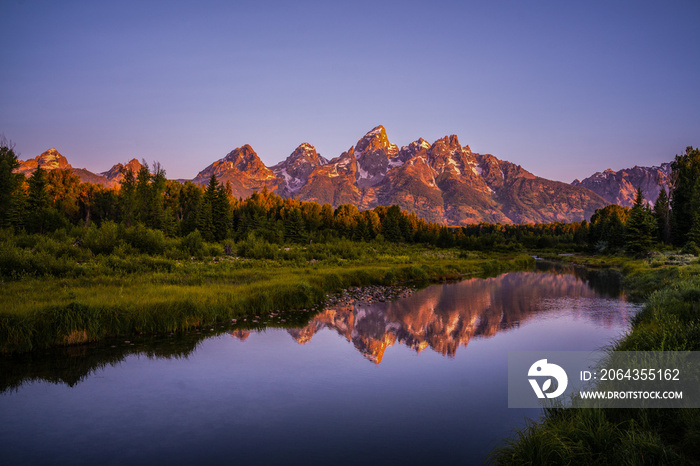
<point>48,160</point>
<point>52,159</point>
<point>245,152</point>
<point>373,140</point>
<point>244,171</point>
<point>450,142</point>
<point>306,152</point>
<point>411,150</point>
<point>294,171</point>
<point>116,174</point>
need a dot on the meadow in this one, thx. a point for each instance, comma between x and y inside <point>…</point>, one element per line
<point>56,291</point>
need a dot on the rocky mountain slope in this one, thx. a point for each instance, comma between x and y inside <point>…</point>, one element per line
<point>442,182</point>
<point>620,187</point>
<point>53,160</point>
<point>115,174</point>
<point>243,170</point>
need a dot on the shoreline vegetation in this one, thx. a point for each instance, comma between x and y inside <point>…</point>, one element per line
<point>52,299</point>
<point>669,283</point>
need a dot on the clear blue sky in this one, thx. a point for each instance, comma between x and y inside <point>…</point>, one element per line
<point>564,88</point>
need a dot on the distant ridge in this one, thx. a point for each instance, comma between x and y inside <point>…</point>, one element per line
<point>620,187</point>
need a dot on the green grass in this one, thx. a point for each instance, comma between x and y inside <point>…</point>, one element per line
<point>122,294</point>
<point>669,321</point>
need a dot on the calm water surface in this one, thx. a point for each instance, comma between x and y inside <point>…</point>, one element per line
<point>419,380</point>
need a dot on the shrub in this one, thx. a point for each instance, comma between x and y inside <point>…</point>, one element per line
<point>145,240</point>
<point>193,244</point>
<point>254,248</point>
<point>102,239</point>
<point>691,248</point>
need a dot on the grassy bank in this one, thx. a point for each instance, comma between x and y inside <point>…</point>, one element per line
<point>88,297</point>
<point>669,321</point>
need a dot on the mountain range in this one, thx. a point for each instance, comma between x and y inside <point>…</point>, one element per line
<point>443,182</point>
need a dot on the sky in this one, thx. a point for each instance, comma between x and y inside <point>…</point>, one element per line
<point>563,88</point>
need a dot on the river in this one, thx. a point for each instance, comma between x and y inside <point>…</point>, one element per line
<point>419,380</point>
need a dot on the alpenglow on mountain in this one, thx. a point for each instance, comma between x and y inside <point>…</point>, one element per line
<point>620,187</point>
<point>442,182</point>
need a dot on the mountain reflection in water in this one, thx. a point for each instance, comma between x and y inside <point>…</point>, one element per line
<point>444,317</point>
<point>303,393</point>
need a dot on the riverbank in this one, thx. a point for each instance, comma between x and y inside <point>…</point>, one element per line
<point>669,321</point>
<point>112,295</point>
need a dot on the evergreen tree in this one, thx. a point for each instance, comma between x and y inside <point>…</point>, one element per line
<point>64,189</point>
<point>694,232</point>
<point>127,197</point>
<point>374,225</point>
<point>581,233</point>
<point>391,230</point>
<point>641,226</point>
<point>662,215</point>
<point>445,238</point>
<point>156,213</point>
<point>169,224</point>
<point>190,199</point>
<point>143,199</point>
<point>294,228</point>
<point>10,184</point>
<point>38,202</point>
<point>684,176</point>
<point>205,222</point>
<point>99,204</point>
<point>221,213</point>
<point>607,227</point>
<point>212,205</point>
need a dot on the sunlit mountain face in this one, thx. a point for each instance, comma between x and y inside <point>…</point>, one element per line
<point>442,182</point>
<point>448,316</point>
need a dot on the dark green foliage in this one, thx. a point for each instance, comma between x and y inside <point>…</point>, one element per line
<point>685,196</point>
<point>221,212</point>
<point>640,229</point>
<point>193,245</point>
<point>691,247</point>
<point>102,239</point>
<point>10,184</point>
<point>205,221</point>
<point>190,198</point>
<point>607,228</point>
<point>40,216</point>
<point>391,229</point>
<point>294,228</point>
<point>127,198</point>
<point>145,240</point>
<point>663,217</point>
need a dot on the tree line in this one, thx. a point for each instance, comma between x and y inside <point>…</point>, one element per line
<point>49,200</point>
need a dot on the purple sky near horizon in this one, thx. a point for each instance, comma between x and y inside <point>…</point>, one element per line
<point>564,89</point>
